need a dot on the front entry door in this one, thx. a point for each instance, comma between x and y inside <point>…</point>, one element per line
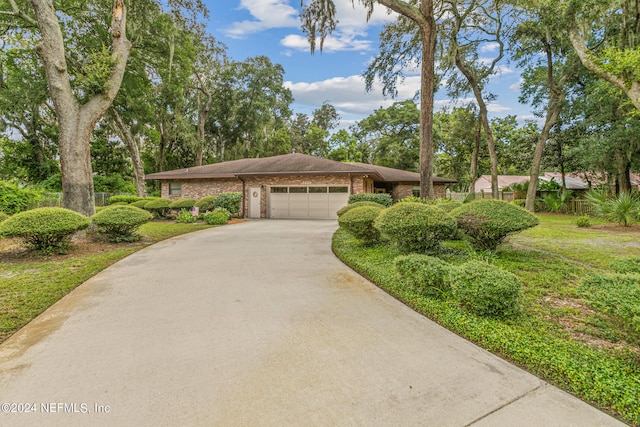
<point>254,202</point>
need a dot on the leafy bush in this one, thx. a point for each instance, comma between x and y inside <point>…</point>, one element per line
<point>140,203</point>
<point>46,230</point>
<point>14,199</point>
<point>229,201</point>
<point>206,203</point>
<point>410,199</point>
<point>350,206</point>
<point>486,290</point>
<point>597,200</point>
<point>626,265</point>
<point>3,216</point>
<point>381,198</point>
<point>120,223</point>
<point>583,221</point>
<point>158,206</point>
<point>186,217</point>
<point>488,222</point>
<point>449,206</point>
<point>520,202</point>
<point>359,222</point>
<point>185,203</point>
<point>123,198</point>
<point>557,202</point>
<point>217,217</point>
<point>615,294</point>
<point>424,274</point>
<point>624,209</point>
<point>415,227</point>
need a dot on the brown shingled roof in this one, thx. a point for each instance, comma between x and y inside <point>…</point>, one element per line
<point>289,164</point>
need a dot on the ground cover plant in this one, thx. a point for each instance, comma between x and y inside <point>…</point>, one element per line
<point>556,333</point>
<point>30,282</point>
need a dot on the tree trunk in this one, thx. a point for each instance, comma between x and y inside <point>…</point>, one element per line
<point>75,122</point>
<point>552,118</point>
<point>427,89</point>
<point>132,147</point>
<point>622,172</point>
<point>473,173</point>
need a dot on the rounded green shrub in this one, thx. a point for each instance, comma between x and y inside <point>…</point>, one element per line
<point>46,230</point>
<point>583,221</point>
<point>449,206</point>
<point>206,203</point>
<point>410,199</point>
<point>229,201</point>
<point>185,203</point>
<point>416,227</point>
<point>3,216</point>
<point>158,206</point>
<point>120,223</point>
<point>140,203</point>
<point>359,222</point>
<point>626,265</point>
<point>424,274</point>
<point>485,289</point>
<point>488,222</point>
<point>123,199</point>
<point>217,217</point>
<point>382,198</point>
<point>350,206</point>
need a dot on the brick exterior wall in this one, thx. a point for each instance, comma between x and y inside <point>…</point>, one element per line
<point>199,188</point>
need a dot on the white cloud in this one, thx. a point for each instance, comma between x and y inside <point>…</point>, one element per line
<point>516,86</point>
<point>340,43</point>
<point>267,13</point>
<point>489,47</point>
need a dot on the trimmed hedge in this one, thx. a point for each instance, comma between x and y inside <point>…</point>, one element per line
<point>46,230</point>
<point>120,223</point>
<point>229,201</point>
<point>3,216</point>
<point>185,203</point>
<point>381,198</point>
<point>350,206</point>
<point>615,294</point>
<point>206,203</point>
<point>158,206</point>
<point>217,217</point>
<point>359,222</point>
<point>488,222</point>
<point>449,206</point>
<point>486,290</point>
<point>427,275</point>
<point>140,203</point>
<point>416,227</point>
<point>123,198</point>
<point>626,265</point>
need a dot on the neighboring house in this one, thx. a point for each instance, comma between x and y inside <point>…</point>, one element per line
<point>484,182</point>
<point>291,185</point>
<point>574,181</point>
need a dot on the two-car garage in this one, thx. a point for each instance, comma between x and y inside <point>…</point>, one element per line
<point>306,201</point>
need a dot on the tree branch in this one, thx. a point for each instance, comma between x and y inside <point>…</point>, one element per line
<point>20,14</point>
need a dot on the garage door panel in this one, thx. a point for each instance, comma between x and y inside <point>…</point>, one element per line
<point>279,203</point>
<point>318,205</point>
<point>307,202</point>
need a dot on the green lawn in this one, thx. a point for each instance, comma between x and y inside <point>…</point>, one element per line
<point>557,336</point>
<point>30,283</point>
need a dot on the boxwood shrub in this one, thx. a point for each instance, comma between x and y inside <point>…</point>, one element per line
<point>427,275</point>
<point>229,201</point>
<point>626,265</point>
<point>120,223</point>
<point>615,294</point>
<point>126,198</point>
<point>359,222</point>
<point>3,216</point>
<point>47,230</point>
<point>449,206</point>
<point>185,203</point>
<point>206,203</point>
<point>487,223</point>
<point>350,206</point>
<point>381,198</point>
<point>416,227</point>
<point>158,207</point>
<point>485,289</point>
<point>140,203</point>
<point>217,217</point>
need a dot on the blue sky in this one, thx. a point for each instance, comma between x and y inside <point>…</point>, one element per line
<point>271,27</point>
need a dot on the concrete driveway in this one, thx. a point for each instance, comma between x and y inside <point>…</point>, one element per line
<point>258,324</point>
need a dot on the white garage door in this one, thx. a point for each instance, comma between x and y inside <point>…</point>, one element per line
<point>307,202</point>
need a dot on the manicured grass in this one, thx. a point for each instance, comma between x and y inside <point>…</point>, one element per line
<point>30,283</point>
<point>557,336</point>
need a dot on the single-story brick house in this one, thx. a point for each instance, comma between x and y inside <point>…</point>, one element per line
<point>291,185</point>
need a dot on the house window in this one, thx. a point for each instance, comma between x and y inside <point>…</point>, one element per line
<point>175,188</point>
<point>317,189</point>
<point>416,190</point>
<point>338,189</point>
<point>297,189</point>
<point>279,189</point>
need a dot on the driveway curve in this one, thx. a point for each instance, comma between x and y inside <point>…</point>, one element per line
<point>258,324</point>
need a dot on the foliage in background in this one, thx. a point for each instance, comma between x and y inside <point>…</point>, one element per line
<point>380,198</point>
<point>14,199</point>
